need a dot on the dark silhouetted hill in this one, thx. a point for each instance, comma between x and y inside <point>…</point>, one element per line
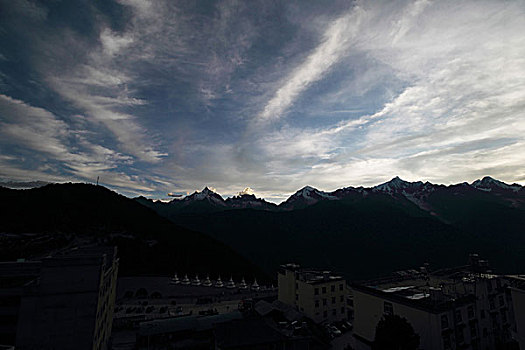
<point>37,221</point>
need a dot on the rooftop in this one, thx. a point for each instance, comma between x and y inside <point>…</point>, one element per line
<point>434,291</point>
<point>311,276</point>
<point>185,323</point>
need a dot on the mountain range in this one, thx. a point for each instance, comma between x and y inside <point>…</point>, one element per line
<point>418,193</point>
<point>360,232</point>
<point>365,232</point>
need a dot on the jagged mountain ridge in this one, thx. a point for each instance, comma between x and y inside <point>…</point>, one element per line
<point>418,193</point>
<point>247,201</point>
<point>207,201</point>
<point>370,231</point>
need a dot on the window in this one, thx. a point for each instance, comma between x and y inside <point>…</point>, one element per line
<point>473,330</point>
<point>470,311</point>
<point>446,341</point>
<point>388,308</point>
<point>332,287</point>
<point>485,332</point>
<point>334,312</point>
<point>324,290</point>
<point>460,337</point>
<point>491,303</point>
<point>296,296</point>
<point>343,310</point>
<point>317,303</point>
<point>324,301</point>
<point>495,323</point>
<point>333,300</point>
<point>489,285</point>
<point>444,321</point>
<point>341,286</point>
<point>501,301</point>
<point>457,316</point>
<point>325,314</point>
<point>503,316</point>
<point>482,314</point>
<point>316,291</point>
<point>342,298</point>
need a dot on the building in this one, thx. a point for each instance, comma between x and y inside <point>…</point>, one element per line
<point>61,302</point>
<point>320,295</point>
<point>14,277</point>
<point>187,332</point>
<point>517,291</point>
<point>264,328</point>
<point>459,308</point>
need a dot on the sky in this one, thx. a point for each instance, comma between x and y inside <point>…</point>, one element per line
<point>270,96</point>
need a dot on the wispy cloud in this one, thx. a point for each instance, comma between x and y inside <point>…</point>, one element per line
<point>44,139</point>
<point>464,76</point>
<point>161,96</point>
<point>335,42</point>
<point>33,127</point>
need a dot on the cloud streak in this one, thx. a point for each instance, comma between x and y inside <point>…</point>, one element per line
<point>335,41</point>
<point>173,96</point>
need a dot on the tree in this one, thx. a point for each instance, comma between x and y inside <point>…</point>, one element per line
<point>395,333</point>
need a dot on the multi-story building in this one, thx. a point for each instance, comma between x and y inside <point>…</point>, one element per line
<point>517,291</point>
<point>14,278</point>
<point>61,302</point>
<point>320,295</point>
<point>458,308</point>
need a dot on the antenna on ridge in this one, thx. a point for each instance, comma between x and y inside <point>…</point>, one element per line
<point>97,179</point>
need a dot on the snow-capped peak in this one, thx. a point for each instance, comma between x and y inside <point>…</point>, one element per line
<point>207,193</point>
<point>248,201</point>
<point>306,190</point>
<point>488,183</point>
<point>209,190</point>
<point>395,184</point>
<point>246,191</point>
<point>310,193</point>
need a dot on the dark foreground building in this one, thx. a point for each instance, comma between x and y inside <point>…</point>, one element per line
<point>517,288</point>
<point>465,307</point>
<point>61,302</point>
<point>266,326</point>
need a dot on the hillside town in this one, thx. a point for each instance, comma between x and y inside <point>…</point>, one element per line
<point>75,300</point>
<point>262,174</point>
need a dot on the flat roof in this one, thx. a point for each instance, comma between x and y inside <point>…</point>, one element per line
<point>415,287</point>
<point>179,324</point>
<point>313,276</point>
<point>417,300</point>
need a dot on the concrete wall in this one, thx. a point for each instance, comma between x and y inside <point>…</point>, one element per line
<point>369,309</point>
<point>62,313</point>
<point>289,287</point>
<point>286,285</point>
<point>518,303</point>
<point>72,305</point>
<point>308,298</point>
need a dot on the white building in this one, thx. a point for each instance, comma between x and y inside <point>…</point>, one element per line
<point>458,308</point>
<point>320,295</point>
